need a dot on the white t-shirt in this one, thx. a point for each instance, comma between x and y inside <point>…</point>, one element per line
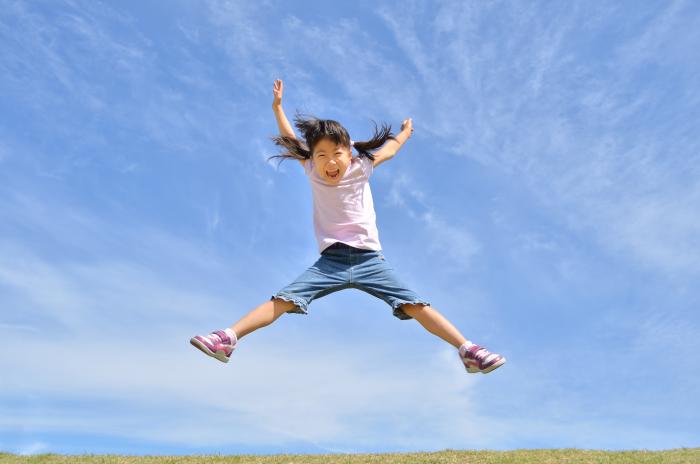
<point>344,212</point>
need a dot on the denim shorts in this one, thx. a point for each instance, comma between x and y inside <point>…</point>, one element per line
<point>342,266</point>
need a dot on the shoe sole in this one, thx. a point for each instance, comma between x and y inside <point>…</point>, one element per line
<point>204,349</point>
<point>494,366</point>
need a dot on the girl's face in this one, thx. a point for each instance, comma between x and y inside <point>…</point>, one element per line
<point>331,160</point>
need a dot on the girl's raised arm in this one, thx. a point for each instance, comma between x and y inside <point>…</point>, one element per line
<point>282,122</point>
<point>392,146</point>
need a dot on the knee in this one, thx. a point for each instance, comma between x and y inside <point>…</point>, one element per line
<point>413,309</point>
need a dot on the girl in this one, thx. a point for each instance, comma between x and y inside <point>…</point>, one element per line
<point>347,237</point>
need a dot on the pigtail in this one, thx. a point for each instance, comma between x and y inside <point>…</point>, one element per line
<point>293,148</point>
<point>380,137</point>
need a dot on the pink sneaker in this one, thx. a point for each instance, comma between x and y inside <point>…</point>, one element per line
<point>476,359</point>
<point>217,345</point>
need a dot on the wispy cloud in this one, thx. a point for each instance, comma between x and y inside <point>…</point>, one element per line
<point>146,380</point>
<point>406,194</point>
<point>463,245</point>
<point>565,130</point>
<point>112,315</point>
<point>560,174</point>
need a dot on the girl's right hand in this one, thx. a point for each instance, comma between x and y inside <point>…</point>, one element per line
<point>277,91</point>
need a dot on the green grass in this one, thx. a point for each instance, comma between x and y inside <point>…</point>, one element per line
<point>551,456</point>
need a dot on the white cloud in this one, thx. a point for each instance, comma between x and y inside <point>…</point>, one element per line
<point>114,334</point>
<point>463,245</point>
<point>567,129</point>
<point>404,193</point>
<point>407,196</point>
<point>526,104</point>
<point>289,389</point>
<point>113,295</point>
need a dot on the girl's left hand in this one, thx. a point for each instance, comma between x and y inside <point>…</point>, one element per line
<point>407,126</point>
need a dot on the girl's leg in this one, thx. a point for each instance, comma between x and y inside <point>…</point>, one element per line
<point>476,358</point>
<point>435,323</point>
<point>263,315</point>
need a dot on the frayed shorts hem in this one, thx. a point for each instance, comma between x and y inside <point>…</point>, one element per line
<point>399,313</point>
<point>301,305</point>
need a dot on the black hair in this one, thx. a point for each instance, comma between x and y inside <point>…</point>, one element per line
<point>314,129</point>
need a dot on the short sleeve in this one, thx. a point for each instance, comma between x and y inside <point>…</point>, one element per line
<point>367,165</point>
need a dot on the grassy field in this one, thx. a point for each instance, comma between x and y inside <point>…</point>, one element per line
<point>681,455</point>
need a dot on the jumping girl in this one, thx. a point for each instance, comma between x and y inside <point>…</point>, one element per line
<point>347,237</point>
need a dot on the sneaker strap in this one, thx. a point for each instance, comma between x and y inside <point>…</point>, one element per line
<point>223,337</point>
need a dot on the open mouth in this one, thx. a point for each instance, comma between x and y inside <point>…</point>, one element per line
<point>333,175</point>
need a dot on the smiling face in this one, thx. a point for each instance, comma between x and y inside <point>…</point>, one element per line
<point>330,159</point>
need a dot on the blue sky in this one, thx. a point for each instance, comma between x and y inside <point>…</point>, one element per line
<point>547,205</point>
